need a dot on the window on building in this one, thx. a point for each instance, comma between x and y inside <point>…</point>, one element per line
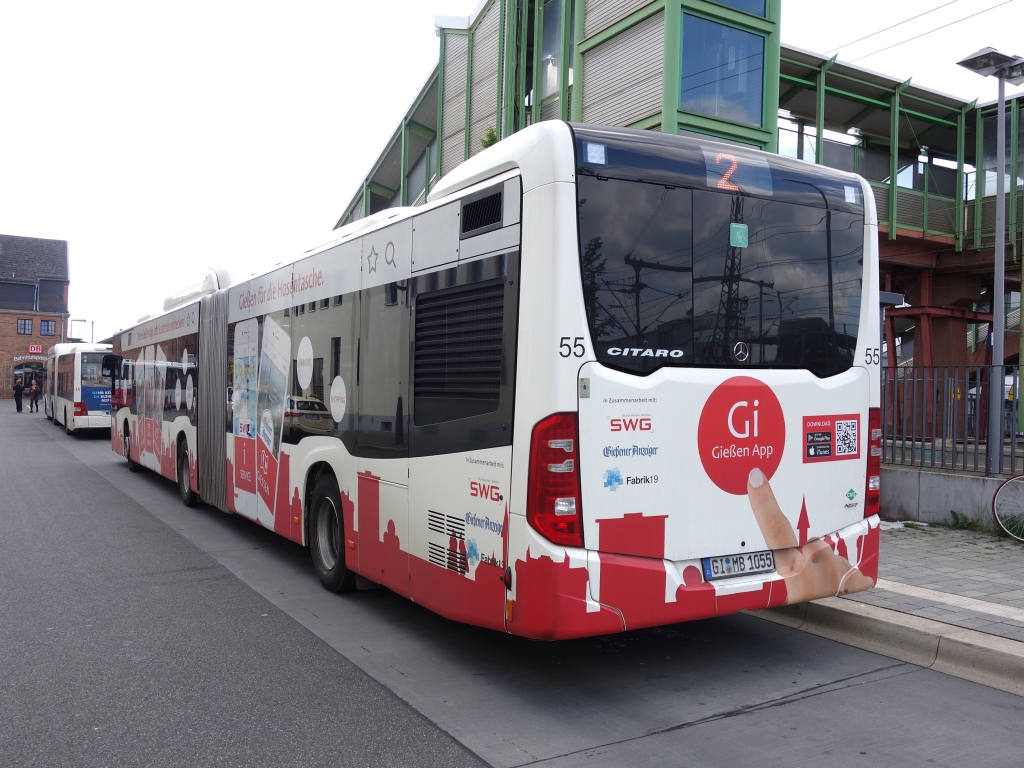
<point>51,296</point>
<point>335,357</point>
<point>317,385</point>
<point>47,327</point>
<point>551,50</point>
<point>24,327</point>
<point>723,71</point>
<point>312,306</point>
<point>337,301</point>
<point>325,303</point>
<point>17,296</point>
<point>755,7</point>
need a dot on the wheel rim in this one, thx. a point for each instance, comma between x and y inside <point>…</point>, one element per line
<point>127,448</point>
<point>1008,507</point>
<point>328,534</point>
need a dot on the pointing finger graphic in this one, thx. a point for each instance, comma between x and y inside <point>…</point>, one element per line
<point>811,571</point>
<point>775,526</point>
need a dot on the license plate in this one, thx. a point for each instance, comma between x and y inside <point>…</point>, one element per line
<point>730,566</point>
<point>313,416</point>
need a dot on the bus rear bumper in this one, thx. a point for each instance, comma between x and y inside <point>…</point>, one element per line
<point>592,593</point>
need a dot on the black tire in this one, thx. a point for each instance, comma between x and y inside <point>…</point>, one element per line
<point>188,496</point>
<point>327,537</point>
<point>127,442</point>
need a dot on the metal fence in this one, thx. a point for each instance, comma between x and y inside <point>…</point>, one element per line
<point>937,417</point>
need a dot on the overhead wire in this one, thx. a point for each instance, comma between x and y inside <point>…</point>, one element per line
<point>893,26</point>
<point>923,34</point>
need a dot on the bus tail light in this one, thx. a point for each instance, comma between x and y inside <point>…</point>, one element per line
<point>872,493</point>
<point>553,505</point>
<point>81,410</point>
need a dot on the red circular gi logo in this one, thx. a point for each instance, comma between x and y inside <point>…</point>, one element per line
<point>740,428</point>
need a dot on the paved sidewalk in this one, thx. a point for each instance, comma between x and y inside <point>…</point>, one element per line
<point>969,579</point>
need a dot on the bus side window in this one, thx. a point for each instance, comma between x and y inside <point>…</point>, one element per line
<point>384,375</point>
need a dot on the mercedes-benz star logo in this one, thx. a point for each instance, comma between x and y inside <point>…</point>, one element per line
<point>740,351</point>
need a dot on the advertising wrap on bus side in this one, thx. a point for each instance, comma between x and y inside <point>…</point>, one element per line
<point>603,379</point>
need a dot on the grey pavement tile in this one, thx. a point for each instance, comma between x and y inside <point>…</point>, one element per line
<point>1010,634</point>
<point>939,614</point>
<point>969,623</point>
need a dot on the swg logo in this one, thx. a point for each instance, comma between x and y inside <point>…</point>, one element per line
<point>640,424</point>
<point>484,491</point>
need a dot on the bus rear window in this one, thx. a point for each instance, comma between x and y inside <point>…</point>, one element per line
<point>92,370</point>
<point>694,277</point>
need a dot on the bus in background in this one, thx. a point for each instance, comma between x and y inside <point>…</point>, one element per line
<point>605,379</point>
<point>77,391</point>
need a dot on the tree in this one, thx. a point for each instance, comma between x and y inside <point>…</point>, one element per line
<point>490,138</point>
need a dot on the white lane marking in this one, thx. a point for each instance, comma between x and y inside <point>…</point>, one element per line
<point>969,603</point>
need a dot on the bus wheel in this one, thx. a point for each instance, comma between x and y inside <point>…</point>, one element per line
<point>132,466</point>
<point>67,424</point>
<point>188,496</point>
<point>327,537</point>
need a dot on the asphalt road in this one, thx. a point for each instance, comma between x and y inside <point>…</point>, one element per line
<point>134,631</point>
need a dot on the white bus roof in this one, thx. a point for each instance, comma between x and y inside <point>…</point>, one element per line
<point>68,348</point>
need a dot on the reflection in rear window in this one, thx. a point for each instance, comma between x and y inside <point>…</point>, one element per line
<point>92,370</point>
<point>309,405</point>
<point>674,276</point>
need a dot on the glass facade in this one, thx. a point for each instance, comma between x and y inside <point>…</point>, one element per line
<point>755,7</point>
<point>551,48</point>
<point>722,71</point>
<point>989,164</point>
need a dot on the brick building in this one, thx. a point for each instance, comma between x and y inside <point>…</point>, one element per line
<point>33,306</point>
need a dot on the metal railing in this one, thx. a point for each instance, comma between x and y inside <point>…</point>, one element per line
<point>937,417</point>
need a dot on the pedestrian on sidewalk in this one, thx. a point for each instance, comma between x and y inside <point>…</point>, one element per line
<point>33,397</point>
<point>19,390</point>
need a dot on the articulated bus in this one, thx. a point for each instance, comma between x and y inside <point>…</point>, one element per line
<point>77,392</point>
<point>605,379</point>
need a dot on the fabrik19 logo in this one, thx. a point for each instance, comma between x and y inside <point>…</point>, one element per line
<point>740,428</point>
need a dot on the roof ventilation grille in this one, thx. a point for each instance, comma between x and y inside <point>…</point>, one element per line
<point>485,212</point>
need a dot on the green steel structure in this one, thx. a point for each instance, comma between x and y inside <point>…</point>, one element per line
<point>719,69</point>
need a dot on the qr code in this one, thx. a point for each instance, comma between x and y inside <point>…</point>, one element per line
<point>846,438</point>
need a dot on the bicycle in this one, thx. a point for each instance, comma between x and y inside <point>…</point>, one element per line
<point>1008,507</point>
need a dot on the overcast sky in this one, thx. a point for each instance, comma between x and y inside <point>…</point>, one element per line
<point>160,139</point>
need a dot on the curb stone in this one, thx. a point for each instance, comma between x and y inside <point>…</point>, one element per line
<point>996,662</point>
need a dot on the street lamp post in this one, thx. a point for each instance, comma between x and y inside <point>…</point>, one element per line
<point>989,62</point>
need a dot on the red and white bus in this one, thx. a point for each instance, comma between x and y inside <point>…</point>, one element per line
<point>605,379</point>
